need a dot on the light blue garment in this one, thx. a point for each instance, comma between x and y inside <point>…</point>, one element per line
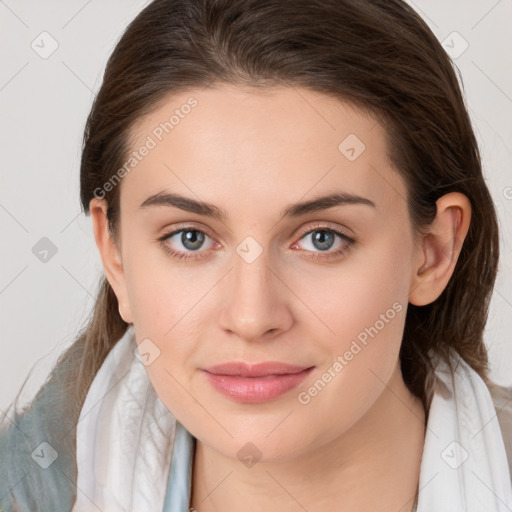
<point>178,495</point>
<point>24,477</point>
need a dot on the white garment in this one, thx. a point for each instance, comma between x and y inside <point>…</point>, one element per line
<point>464,466</point>
<point>126,436</point>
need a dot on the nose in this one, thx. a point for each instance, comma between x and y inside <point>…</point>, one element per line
<point>256,302</point>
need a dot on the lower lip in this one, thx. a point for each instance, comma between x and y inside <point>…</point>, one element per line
<point>256,390</point>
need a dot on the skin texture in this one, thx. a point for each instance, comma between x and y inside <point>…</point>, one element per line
<point>357,444</point>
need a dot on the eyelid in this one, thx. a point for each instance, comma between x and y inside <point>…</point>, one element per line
<point>184,226</point>
<point>325,226</point>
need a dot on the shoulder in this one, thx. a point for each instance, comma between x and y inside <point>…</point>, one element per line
<point>12,445</point>
<point>502,399</point>
<point>37,457</point>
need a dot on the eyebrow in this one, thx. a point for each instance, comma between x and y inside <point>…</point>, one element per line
<point>294,210</point>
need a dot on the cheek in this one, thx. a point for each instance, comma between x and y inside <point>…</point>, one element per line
<point>364,307</point>
<point>164,300</point>
<point>367,290</point>
<point>159,311</point>
<point>358,360</point>
<point>160,292</point>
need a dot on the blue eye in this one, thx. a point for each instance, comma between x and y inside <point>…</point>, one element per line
<point>324,239</point>
<point>192,241</point>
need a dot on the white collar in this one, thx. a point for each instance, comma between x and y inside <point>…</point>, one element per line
<point>126,437</point>
<point>464,466</point>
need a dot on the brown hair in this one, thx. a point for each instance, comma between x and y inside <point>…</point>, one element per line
<point>380,56</point>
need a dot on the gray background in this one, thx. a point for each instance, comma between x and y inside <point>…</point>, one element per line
<point>44,102</point>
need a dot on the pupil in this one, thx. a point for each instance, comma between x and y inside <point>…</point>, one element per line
<point>323,240</point>
<point>192,239</point>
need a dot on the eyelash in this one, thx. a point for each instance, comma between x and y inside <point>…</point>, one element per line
<point>349,243</point>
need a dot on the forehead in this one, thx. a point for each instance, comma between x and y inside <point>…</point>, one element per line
<point>277,145</point>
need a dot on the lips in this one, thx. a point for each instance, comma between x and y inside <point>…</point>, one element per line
<point>255,383</point>
<point>253,370</point>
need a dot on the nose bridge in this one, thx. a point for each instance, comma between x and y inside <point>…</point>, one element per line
<point>254,303</point>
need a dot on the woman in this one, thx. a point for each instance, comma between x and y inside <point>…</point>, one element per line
<point>299,249</point>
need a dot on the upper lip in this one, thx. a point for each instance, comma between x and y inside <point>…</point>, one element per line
<point>243,369</point>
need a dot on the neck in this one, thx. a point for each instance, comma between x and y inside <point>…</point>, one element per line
<point>374,465</point>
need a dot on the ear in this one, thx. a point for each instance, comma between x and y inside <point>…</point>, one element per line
<point>110,256</point>
<point>437,252</point>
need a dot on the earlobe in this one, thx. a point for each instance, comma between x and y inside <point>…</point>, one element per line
<point>110,254</point>
<point>438,252</point>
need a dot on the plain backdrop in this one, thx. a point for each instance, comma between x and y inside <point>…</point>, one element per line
<point>52,58</point>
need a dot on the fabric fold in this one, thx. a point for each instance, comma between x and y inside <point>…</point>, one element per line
<point>464,466</point>
<point>124,438</point>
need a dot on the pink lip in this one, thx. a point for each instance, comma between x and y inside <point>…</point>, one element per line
<point>255,383</point>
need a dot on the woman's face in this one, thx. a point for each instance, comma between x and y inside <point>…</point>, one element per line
<point>259,273</point>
